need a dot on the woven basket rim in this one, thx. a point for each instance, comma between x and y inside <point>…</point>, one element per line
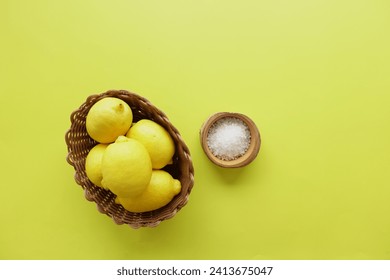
<point>76,140</point>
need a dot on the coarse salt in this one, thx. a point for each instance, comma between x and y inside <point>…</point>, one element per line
<point>228,138</point>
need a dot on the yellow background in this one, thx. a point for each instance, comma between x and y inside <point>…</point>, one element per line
<point>313,75</point>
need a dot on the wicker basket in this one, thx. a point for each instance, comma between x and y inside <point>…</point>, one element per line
<point>79,143</point>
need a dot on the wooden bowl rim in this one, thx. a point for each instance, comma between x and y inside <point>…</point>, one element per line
<point>252,151</point>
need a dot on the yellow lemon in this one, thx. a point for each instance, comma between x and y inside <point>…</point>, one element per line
<point>126,167</point>
<point>108,118</point>
<point>156,139</point>
<point>160,191</point>
<point>93,164</point>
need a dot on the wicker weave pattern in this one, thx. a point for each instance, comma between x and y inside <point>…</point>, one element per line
<point>79,144</point>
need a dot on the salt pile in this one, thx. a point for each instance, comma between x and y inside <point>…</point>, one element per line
<point>228,138</point>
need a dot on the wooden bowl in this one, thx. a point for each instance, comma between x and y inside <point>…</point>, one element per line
<point>247,157</point>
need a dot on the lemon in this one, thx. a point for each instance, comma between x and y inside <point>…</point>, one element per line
<point>108,118</point>
<point>156,139</point>
<point>126,167</point>
<point>93,164</point>
<point>160,191</point>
